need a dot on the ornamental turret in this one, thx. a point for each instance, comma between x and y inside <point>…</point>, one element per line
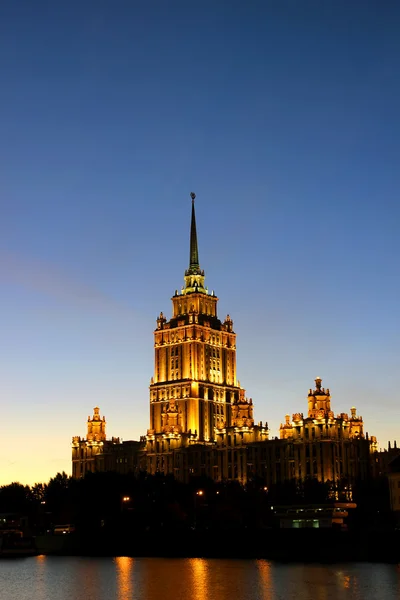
<point>96,427</point>
<point>319,400</point>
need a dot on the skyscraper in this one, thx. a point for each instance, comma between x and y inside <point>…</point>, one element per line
<point>202,423</point>
<point>195,397</point>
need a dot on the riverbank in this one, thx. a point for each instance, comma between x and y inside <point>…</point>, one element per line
<point>281,545</point>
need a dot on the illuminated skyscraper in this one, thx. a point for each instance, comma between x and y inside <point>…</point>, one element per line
<point>202,424</point>
<point>195,398</point>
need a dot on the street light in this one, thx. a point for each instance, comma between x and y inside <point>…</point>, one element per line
<point>198,493</point>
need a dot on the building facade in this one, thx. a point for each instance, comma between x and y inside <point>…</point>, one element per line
<point>202,423</point>
<point>326,446</point>
<point>394,485</point>
<point>95,452</point>
<point>195,397</point>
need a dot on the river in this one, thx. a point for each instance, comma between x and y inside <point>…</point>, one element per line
<point>74,578</point>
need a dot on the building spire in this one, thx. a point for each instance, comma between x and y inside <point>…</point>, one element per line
<point>194,276</point>
<point>194,266</point>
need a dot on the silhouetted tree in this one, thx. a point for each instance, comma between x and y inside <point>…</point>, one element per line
<point>15,497</point>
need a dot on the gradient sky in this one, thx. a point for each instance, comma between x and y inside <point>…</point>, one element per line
<point>283,117</point>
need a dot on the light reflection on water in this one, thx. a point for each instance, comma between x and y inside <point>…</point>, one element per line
<point>123,578</point>
<point>199,588</point>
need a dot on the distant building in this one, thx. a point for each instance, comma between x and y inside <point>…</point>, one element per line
<point>97,453</point>
<point>383,460</point>
<point>394,485</point>
<point>314,516</point>
<point>324,446</point>
<point>202,423</point>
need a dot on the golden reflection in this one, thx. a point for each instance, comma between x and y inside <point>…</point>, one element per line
<point>40,589</point>
<point>348,581</point>
<point>264,571</point>
<point>124,566</point>
<point>199,588</point>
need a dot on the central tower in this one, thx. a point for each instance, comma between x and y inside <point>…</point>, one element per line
<point>194,382</point>
<point>194,394</point>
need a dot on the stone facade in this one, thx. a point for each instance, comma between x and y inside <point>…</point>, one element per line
<point>95,452</point>
<point>202,423</point>
<point>394,485</point>
<point>195,397</point>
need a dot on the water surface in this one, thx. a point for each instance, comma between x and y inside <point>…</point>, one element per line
<point>74,578</point>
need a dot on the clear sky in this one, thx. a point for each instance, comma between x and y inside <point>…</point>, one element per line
<point>283,117</point>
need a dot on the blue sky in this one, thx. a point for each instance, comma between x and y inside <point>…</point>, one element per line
<point>283,117</point>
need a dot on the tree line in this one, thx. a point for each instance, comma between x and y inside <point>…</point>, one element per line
<point>109,500</point>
